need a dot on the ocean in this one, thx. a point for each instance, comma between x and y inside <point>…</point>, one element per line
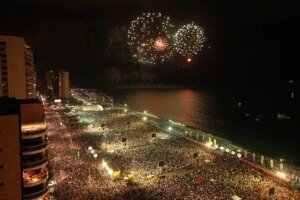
<point>248,118</point>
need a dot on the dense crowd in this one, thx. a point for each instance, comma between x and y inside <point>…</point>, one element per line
<point>163,165</point>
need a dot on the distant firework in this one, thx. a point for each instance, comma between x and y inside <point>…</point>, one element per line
<point>189,40</point>
<point>149,38</point>
<point>160,43</point>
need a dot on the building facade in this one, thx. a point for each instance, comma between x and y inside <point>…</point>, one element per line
<point>58,83</point>
<point>24,148</point>
<point>17,70</point>
<point>10,152</point>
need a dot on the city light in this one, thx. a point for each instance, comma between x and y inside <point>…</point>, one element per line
<point>90,148</point>
<point>209,144</point>
<point>110,171</point>
<point>145,118</point>
<point>170,128</point>
<point>104,164</point>
<point>281,174</point>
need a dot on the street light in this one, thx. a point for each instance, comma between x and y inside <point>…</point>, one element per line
<point>104,164</point>
<point>95,156</point>
<point>110,171</point>
<point>209,144</point>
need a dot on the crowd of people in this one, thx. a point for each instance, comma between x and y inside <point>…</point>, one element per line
<point>163,165</point>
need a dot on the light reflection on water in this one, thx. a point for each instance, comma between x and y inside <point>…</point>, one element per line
<point>217,114</point>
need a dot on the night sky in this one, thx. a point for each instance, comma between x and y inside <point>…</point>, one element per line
<point>252,42</point>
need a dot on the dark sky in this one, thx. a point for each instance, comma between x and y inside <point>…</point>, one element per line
<point>252,41</point>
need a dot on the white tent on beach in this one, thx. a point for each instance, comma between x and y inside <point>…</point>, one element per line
<point>235,197</point>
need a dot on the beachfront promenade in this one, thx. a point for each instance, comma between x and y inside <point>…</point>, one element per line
<point>119,153</point>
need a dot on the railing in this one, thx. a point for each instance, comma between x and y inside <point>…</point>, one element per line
<point>29,164</point>
<point>33,132</point>
<point>36,194</point>
<point>34,147</point>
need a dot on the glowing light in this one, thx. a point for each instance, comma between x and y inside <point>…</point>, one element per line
<point>222,148</point>
<point>149,38</point>
<point>125,110</point>
<point>170,128</point>
<point>104,164</point>
<point>209,144</point>
<point>189,60</point>
<point>92,151</point>
<point>233,153</point>
<point>281,174</point>
<point>160,43</point>
<point>145,112</point>
<point>95,155</point>
<point>239,155</point>
<point>110,171</point>
<point>227,150</point>
<point>145,118</point>
<point>189,40</point>
<point>90,148</point>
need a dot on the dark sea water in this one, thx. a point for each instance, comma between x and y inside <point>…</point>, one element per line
<point>219,112</point>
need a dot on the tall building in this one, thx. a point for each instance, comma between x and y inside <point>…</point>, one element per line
<point>17,70</point>
<point>58,83</point>
<point>23,150</point>
<point>10,151</point>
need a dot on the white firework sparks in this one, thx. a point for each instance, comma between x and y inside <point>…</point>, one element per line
<point>189,40</point>
<point>149,38</point>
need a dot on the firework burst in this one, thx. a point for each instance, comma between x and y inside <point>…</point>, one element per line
<point>189,40</point>
<point>149,38</point>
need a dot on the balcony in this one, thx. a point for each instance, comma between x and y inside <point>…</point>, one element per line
<point>35,177</point>
<point>33,130</point>
<point>33,149</point>
<point>38,192</point>
<point>32,164</point>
